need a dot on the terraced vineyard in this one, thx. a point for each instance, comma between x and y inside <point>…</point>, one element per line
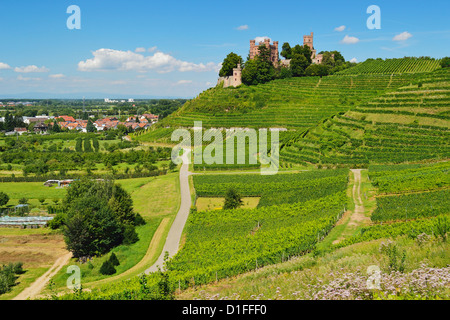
<point>295,103</point>
<point>408,124</point>
<point>394,66</point>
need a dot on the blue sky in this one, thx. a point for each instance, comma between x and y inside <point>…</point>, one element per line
<point>174,48</point>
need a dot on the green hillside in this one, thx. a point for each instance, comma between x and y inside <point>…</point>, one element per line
<point>295,103</point>
<point>393,66</point>
<point>351,120</point>
<point>408,124</point>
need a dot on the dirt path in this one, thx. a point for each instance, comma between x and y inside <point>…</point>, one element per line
<point>356,218</point>
<point>174,236</point>
<point>37,286</point>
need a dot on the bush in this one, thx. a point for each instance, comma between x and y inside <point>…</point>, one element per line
<point>107,268</point>
<point>57,222</point>
<point>232,200</point>
<point>113,259</point>
<point>4,199</point>
<point>129,235</point>
<point>138,220</point>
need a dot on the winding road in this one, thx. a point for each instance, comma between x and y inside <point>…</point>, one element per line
<point>174,236</point>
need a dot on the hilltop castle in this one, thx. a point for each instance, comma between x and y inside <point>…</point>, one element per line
<point>273,48</point>
<point>235,79</point>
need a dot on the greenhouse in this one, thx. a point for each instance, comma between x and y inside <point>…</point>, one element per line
<point>24,222</point>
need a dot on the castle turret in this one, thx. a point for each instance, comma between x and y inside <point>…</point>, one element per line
<point>309,41</point>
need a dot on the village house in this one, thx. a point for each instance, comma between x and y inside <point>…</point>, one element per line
<point>20,131</point>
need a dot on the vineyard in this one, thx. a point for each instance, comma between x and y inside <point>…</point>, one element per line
<point>408,124</point>
<point>394,66</point>
<point>412,206</point>
<point>412,199</point>
<point>277,189</point>
<point>410,178</point>
<point>224,243</point>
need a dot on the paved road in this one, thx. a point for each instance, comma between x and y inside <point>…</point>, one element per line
<point>174,236</point>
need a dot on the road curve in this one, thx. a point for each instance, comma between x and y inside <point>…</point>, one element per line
<point>174,236</point>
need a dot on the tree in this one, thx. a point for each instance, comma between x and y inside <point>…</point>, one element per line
<point>250,73</point>
<point>113,259</point>
<point>172,166</point>
<point>230,62</point>
<point>285,72</point>
<point>122,205</point>
<point>286,51</point>
<point>4,199</point>
<point>299,63</point>
<point>107,268</point>
<point>265,65</point>
<point>317,70</point>
<point>9,122</point>
<point>303,50</point>
<point>97,215</point>
<point>91,228</point>
<point>445,62</point>
<point>328,59</point>
<point>232,200</point>
<point>90,126</point>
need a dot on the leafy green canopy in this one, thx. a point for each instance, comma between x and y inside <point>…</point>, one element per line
<point>98,216</point>
<point>229,63</point>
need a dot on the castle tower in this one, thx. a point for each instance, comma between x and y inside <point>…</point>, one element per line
<point>309,41</point>
<point>237,76</point>
<point>253,49</point>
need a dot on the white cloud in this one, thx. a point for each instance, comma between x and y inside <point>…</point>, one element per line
<point>21,78</point>
<point>340,29</point>
<point>117,60</point>
<point>57,76</point>
<point>349,40</point>
<point>354,60</point>
<point>243,27</point>
<point>140,49</point>
<point>260,39</point>
<point>30,69</point>
<point>402,36</point>
<point>4,66</point>
<point>152,49</point>
<point>184,82</point>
